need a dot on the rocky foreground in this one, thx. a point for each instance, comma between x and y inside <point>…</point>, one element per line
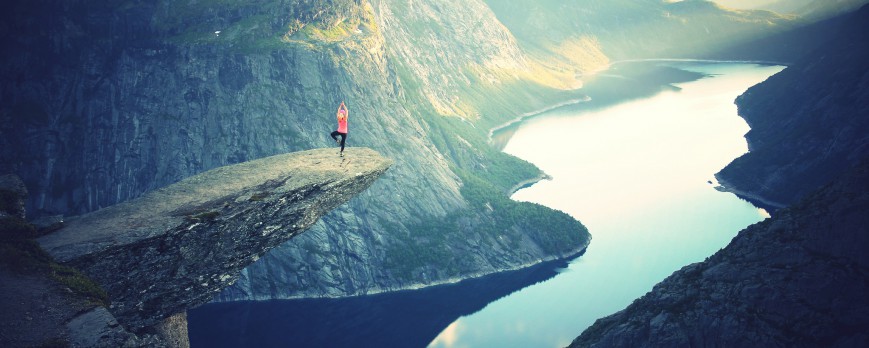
<point>797,279</point>
<point>178,246</point>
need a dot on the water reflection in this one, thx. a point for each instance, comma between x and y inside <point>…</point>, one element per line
<point>622,82</point>
<point>639,174</point>
<point>400,319</point>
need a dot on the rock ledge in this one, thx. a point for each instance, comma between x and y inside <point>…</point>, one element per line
<point>178,246</point>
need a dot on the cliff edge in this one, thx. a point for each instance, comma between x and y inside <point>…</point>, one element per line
<point>177,247</point>
<point>808,122</point>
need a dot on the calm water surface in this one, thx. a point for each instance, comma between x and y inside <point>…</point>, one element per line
<point>635,173</point>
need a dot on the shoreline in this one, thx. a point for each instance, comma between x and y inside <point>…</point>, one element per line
<point>753,198</point>
<point>528,183</point>
<point>531,114</point>
<point>569,256</point>
<point>525,116</point>
<point>696,60</point>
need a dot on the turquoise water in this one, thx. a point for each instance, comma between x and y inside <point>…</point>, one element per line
<point>633,165</point>
<point>637,174</point>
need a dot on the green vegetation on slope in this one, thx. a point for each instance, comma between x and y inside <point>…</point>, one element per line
<point>505,224</point>
<point>20,254</point>
<point>24,256</point>
<point>263,25</point>
<point>494,221</point>
<point>458,111</point>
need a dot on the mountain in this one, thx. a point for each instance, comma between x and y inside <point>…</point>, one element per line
<point>807,122</point>
<point>814,9</point>
<point>103,101</point>
<point>825,9</point>
<point>632,29</point>
<point>798,278</point>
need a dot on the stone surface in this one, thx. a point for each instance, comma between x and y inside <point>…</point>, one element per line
<point>173,330</point>
<point>178,246</point>
<point>13,195</point>
<point>35,309</point>
<point>48,224</point>
<point>97,328</point>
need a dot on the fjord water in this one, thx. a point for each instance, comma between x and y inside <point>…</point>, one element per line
<point>637,175</point>
<point>634,171</point>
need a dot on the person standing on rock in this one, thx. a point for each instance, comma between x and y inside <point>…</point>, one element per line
<point>342,114</point>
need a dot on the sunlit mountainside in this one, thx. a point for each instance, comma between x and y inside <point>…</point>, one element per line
<point>628,29</point>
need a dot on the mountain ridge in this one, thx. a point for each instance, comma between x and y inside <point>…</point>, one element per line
<point>802,135</point>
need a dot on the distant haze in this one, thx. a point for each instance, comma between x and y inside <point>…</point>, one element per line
<point>817,9</point>
<point>745,4</point>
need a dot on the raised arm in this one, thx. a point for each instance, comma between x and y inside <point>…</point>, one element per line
<point>342,106</point>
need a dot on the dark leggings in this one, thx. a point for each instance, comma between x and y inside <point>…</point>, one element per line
<point>335,135</point>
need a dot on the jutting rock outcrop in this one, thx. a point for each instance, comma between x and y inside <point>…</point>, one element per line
<point>178,246</point>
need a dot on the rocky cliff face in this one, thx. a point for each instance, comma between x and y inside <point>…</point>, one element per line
<point>104,101</point>
<point>129,97</point>
<point>797,279</point>
<point>808,123</point>
<point>176,247</point>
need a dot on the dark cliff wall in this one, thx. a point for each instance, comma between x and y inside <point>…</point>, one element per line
<point>809,122</point>
<point>799,278</point>
<point>106,100</point>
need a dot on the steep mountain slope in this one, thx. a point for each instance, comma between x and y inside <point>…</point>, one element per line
<point>808,122</point>
<point>450,72</point>
<point>106,100</point>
